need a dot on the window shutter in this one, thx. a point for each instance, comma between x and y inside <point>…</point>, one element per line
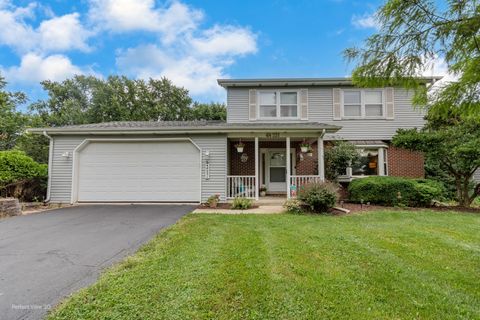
<point>304,104</point>
<point>252,108</point>
<point>337,105</point>
<point>389,103</point>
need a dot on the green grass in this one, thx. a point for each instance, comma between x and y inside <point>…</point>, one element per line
<point>379,265</point>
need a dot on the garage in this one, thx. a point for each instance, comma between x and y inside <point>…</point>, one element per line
<point>138,171</point>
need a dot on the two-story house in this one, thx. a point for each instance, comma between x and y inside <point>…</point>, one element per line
<point>274,137</point>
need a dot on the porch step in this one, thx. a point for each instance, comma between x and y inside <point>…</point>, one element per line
<point>271,201</point>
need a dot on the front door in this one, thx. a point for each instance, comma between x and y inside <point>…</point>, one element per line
<point>277,171</point>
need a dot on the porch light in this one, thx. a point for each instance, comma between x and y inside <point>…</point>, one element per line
<point>240,146</point>
<point>66,155</point>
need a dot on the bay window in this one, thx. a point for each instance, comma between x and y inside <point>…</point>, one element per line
<point>372,162</point>
<point>278,104</point>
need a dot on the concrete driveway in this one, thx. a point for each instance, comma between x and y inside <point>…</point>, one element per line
<point>46,256</point>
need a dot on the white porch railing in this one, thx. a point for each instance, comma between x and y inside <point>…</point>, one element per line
<point>297,182</point>
<point>240,186</point>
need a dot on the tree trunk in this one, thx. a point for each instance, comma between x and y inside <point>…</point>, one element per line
<point>465,199</point>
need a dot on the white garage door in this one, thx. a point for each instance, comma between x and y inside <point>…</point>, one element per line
<point>139,171</point>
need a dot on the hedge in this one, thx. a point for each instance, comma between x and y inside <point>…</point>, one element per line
<point>21,176</point>
<point>395,191</point>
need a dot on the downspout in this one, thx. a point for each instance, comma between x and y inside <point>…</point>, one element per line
<point>50,161</point>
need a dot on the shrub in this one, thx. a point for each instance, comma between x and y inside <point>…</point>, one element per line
<point>241,203</point>
<point>319,197</point>
<point>395,191</point>
<point>22,177</point>
<point>293,206</point>
<point>213,200</point>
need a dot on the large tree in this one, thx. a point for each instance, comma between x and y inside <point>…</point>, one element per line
<point>87,99</point>
<point>12,121</point>
<point>412,35</point>
<point>208,111</point>
<point>454,149</point>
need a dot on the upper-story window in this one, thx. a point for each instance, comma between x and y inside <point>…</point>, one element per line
<point>278,104</point>
<point>360,104</point>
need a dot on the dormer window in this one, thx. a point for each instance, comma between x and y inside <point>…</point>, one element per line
<point>273,104</point>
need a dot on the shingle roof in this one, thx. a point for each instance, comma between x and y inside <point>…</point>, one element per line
<point>186,126</point>
<point>298,81</point>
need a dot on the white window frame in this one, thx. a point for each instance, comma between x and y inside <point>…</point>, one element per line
<point>362,104</point>
<point>379,149</point>
<point>278,104</point>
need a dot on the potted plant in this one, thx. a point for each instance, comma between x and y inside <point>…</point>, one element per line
<point>213,200</point>
<point>305,147</point>
<point>263,190</point>
<point>240,145</point>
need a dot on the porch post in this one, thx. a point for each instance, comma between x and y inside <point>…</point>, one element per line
<point>381,162</point>
<point>256,169</point>
<point>321,158</point>
<point>288,167</point>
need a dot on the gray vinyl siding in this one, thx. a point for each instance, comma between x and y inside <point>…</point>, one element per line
<point>61,170</point>
<point>320,109</point>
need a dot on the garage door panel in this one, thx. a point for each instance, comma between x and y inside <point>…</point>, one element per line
<point>139,171</point>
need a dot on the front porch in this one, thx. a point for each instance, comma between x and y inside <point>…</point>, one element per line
<point>263,165</point>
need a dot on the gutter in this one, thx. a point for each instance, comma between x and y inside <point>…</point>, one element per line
<point>50,161</point>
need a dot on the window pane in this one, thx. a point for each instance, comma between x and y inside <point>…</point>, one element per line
<point>373,97</point>
<point>351,97</point>
<point>288,98</point>
<point>352,111</point>
<point>277,175</point>
<point>367,165</point>
<point>268,111</point>
<point>268,98</point>
<point>288,111</point>
<point>277,159</point>
<point>373,110</point>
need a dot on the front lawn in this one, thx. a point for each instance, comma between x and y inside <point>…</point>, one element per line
<point>377,265</point>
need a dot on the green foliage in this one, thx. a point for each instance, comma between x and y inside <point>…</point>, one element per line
<point>412,36</point>
<point>395,191</point>
<point>213,200</point>
<point>21,176</point>
<point>338,157</point>
<point>319,197</point>
<point>208,111</point>
<point>454,150</point>
<point>242,203</point>
<point>12,121</point>
<point>86,99</point>
<point>294,206</point>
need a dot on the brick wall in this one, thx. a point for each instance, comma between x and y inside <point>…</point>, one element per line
<point>405,163</point>
<point>307,166</point>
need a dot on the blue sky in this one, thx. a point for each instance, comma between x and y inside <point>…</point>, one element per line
<point>191,42</point>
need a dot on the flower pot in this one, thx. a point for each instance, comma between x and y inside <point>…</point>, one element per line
<point>263,193</point>
<point>240,149</point>
<point>304,149</point>
<point>309,154</point>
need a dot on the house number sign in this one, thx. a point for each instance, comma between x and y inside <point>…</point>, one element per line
<point>272,135</point>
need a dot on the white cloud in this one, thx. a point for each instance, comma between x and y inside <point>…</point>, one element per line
<point>53,35</point>
<point>365,21</point>
<point>34,68</point>
<point>226,40</point>
<point>63,33</point>
<point>196,74</point>
<point>134,15</point>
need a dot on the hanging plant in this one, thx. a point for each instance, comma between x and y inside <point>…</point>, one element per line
<point>305,147</point>
<point>240,146</point>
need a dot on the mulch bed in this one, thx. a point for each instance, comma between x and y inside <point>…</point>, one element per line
<point>222,205</point>
<point>357,207</point>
